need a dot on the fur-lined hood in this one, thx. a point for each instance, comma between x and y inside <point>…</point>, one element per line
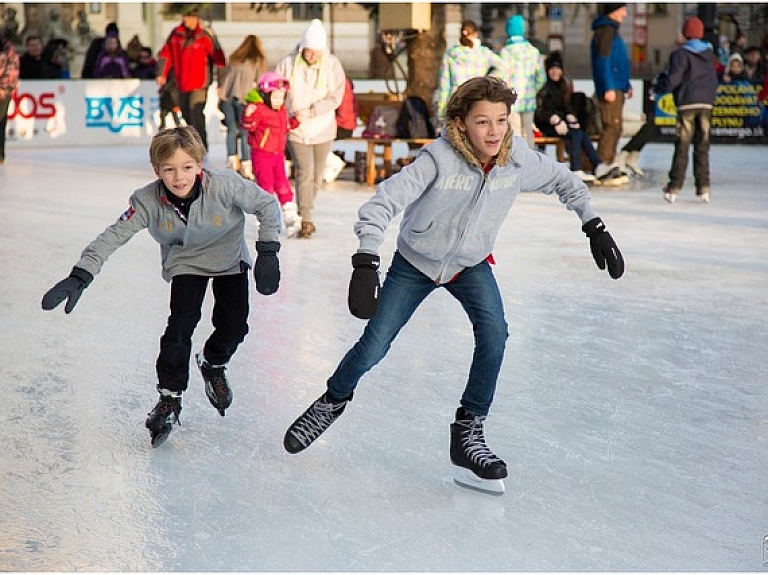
<point>459,140</point>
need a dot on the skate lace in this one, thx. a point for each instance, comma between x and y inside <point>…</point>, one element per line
<point>316,420</point>
<point>167,406</point>
<point>474,443</point>
<point>217,380</point>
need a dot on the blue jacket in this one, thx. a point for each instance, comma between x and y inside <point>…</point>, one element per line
<point>691,76</point>
<point>453,210</point>
<point>610,60</point>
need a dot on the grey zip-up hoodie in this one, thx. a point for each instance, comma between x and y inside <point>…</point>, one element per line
<point>453,210</point>
<point>212,241</point>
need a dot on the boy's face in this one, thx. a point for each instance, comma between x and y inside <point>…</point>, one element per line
<point>179,173</point>
<point>485,126</point>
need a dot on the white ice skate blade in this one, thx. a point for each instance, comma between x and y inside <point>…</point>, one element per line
<point>612,182</point>
<point>465,478</point>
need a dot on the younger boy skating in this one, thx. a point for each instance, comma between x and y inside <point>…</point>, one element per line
<point>455,197</point>
<point>197,216</point>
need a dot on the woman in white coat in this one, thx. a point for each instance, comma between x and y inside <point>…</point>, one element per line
<point>317,89</point>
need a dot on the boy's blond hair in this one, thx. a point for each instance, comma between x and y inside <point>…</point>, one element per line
<point>166,142</point>
<point>478,89</point>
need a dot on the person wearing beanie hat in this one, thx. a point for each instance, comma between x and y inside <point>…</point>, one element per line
<point>693,29</point>
<point>692,80</point>
<point>515,26</point>
<point>556,116</point>
<point>524,72</point>
<point>314,36</point>
<point>610,72</point>
<point>318,83</point>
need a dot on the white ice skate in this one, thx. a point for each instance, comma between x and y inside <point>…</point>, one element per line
<point>465,478</point>
<point>291,219</point>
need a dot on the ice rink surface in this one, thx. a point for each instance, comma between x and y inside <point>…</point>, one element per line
<point>633,414</point>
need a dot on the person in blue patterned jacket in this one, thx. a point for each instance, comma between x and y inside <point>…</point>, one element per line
<point>462,62</point>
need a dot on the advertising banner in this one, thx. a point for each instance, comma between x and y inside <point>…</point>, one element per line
<point>50,113</point>
<point>738,116</point>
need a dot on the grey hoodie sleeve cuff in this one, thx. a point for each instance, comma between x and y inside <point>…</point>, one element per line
<point>369,245</point>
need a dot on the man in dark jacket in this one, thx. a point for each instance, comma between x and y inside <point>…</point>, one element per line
<point>692,79</point>
<point>191,51</point>
<point>610,72</point>
<point>31,64</point>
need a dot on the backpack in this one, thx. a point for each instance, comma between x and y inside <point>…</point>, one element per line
<point>382,123</point>
<point>414,121</point>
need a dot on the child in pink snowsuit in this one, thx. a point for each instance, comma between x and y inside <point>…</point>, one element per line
<point>268,124</point>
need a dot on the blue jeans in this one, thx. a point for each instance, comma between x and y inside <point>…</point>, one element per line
<point>233,113</point>
<point>578,140</point>
<point>403,291</point>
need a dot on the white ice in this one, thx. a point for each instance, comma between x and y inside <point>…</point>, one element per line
<point>633,414</point>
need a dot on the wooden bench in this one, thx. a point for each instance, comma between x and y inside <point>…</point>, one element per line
<point>381,148</point>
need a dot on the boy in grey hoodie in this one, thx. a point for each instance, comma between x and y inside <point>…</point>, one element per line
<point>455,196</point>
<point>198,218</point>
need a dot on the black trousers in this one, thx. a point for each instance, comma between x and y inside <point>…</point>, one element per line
<point>230,322</point>
<point>4,104</point>
<point>192,105</point>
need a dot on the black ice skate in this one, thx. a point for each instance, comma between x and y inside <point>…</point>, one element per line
<point>313,422</point>
<point>476,466</point>
<point>216,385</point>
<point>164,416</point>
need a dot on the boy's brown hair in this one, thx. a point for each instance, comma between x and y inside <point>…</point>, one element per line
<point>166,142</point>
<point>474,90</point>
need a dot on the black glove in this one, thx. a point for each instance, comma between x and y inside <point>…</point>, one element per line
<point>364,286</point>
<point>604,249</point>
<point>71,287</point>
<point>266,271</point>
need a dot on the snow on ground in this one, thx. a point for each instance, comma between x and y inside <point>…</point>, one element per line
<point>633,414</point>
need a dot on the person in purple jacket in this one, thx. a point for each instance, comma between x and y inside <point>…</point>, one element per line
<point>112,61</point>
<point>454,197</point>
<point>197,216</point>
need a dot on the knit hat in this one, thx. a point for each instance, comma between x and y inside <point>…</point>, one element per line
<point>693,28</point>
<point>610,7</point>
<point>737,57</point>
<point>516,26</point>
<point>554,60</point>
<point>314,37</point>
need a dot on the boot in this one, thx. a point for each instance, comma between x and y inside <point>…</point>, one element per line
<point>164,416</point>
<point>291,219</point>
<point>216,385</point>
<point>629,160</point>
<point>233,163</point>
<point>313,422</point>
<point>246,170</point>
<point>307,229</point>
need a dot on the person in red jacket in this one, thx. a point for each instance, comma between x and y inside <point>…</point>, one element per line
<point>346,114</point>
<point>266,120</point>
<point>190,52</point>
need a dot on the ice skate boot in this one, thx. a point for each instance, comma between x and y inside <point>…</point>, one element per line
<point>476,466</point>
<point>313,422</point>
<point>291,219</point>
<point>164,416</point>
<point>216,385</point>
<point>610,175</point>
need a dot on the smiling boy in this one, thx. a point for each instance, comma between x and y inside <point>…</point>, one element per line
<point>455,197</point>
<point>198,218</point>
